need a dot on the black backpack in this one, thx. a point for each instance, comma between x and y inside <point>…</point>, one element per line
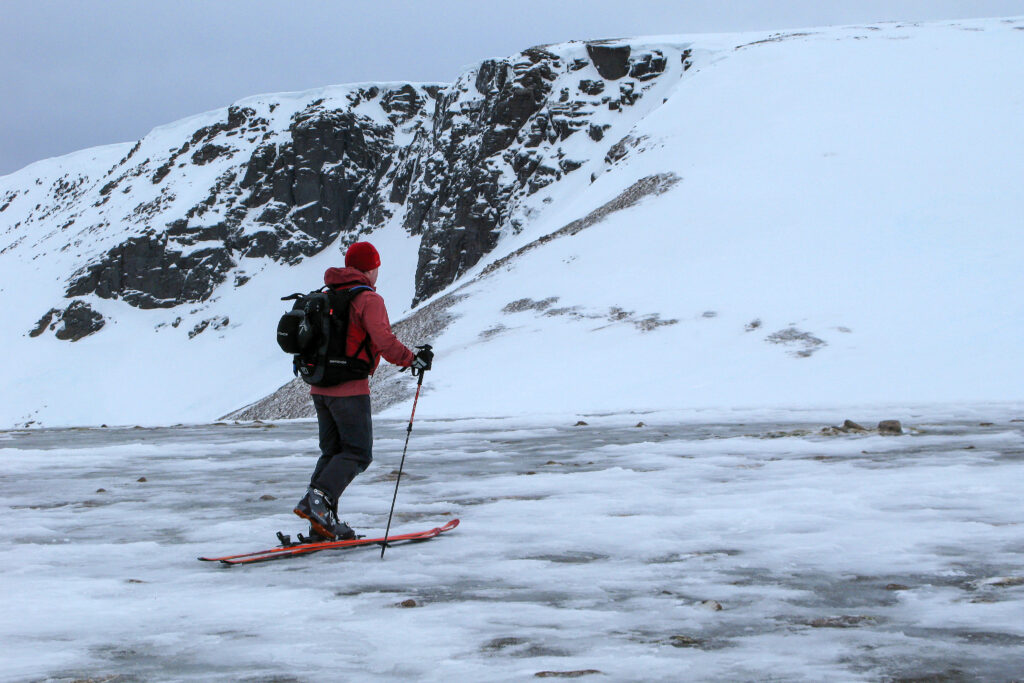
<point>315,331</point>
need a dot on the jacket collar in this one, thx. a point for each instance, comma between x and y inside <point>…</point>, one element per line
<point>346,277</point>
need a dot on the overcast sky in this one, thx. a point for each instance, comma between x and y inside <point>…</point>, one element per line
<point>80,73</point>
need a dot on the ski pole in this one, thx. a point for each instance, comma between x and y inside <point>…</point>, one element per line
<point>408,432</point>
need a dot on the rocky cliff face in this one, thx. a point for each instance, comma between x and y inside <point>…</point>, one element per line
<point>284,195</point>
<point>191,207</point>
<point>506,131</point>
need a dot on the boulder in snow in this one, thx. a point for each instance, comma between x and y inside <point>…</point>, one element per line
<point>890,427</point>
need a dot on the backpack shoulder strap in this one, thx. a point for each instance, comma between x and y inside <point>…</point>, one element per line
<point>344,297</point>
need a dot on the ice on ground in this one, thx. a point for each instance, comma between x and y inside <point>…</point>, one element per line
<point>646,547</point>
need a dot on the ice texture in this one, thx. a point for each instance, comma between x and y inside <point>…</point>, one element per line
<point>659,547</point>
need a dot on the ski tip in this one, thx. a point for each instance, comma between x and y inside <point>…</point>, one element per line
<point>450,525</point>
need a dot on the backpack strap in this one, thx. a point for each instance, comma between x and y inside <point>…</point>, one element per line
<point>364,346</point>
<point>351,293</point>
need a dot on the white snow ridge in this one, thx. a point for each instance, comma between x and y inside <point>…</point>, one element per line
<point>667,289</point>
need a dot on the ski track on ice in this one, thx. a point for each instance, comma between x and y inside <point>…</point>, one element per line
<point>604,546</point>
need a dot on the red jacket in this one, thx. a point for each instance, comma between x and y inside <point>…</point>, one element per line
<point>367,316</point>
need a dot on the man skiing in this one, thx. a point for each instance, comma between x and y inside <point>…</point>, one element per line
<point>343,410</point>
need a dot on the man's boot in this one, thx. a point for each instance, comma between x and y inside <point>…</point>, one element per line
<point>318,508</point>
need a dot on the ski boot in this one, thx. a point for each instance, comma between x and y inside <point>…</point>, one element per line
<point>317,507</point>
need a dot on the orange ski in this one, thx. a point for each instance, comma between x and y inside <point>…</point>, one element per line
<point>304,548</point>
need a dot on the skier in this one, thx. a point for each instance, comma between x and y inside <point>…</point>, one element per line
<point>343,410</point>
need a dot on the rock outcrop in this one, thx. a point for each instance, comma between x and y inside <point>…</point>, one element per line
<point>282,177</point>
<point>76,321</point>
<point>293,195</point>
<point>504,132</point>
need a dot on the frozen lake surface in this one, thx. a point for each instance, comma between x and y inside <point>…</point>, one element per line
<point>683,549</point>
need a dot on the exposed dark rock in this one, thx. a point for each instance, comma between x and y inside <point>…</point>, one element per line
<point>791,336</point>
<point>405,103</point>
<point>528,305</point>
<point>166,167</point>
<point>306,191</point>
<point>590,87</point>
<point>151,271</point>
<point>80,320</point>
<point>310,190</point>
<point>627,94</point>
<point>579,673</point>
<point>890,427</point>
<point>611,61</point>
<point>44,322</point>
<point>685,641</point>
<point>621,149</point>
<point>651,322</point>
<point>647,66</point>
<point>847,427</point>
<point>211,323</point>
<point>208,153</point>
<point>458,200</point>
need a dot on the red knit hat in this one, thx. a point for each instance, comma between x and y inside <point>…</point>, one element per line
<point>363,256</point>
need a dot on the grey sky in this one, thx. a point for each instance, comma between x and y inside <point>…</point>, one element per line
<point>80,73</point>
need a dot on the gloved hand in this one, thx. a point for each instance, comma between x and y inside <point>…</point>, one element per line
<point>424,358</point>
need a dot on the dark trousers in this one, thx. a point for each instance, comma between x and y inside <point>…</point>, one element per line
<point>346,442</point>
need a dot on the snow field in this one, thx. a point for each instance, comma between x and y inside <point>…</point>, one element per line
<point>740,549</point>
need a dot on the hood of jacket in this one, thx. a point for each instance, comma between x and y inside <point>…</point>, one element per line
<point>346,277</point>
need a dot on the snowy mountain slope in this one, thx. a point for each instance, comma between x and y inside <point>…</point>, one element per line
<point>214,216</point>
<point>183,207</point>
<point>838,224</point>
<point>847,229</point>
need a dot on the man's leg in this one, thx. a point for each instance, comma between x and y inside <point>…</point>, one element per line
<point>352,420</point>
<point>342,456</point>
<point>330,440</point>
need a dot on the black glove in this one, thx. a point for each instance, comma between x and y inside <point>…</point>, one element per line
<point>424,358</point>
